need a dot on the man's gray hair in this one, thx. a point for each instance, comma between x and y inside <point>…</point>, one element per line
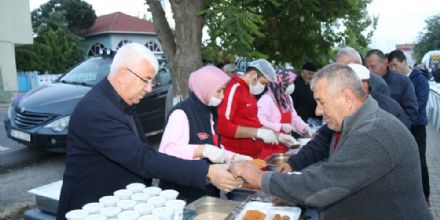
<point>339,77</point>
<point>132,54</point>
<point>354,56</point>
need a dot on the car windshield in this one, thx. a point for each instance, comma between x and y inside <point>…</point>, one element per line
<point>89,72</point>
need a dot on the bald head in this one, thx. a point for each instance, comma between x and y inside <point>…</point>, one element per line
<point>348,55</point>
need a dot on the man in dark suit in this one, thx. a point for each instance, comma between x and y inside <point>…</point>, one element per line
<point>302,97</point>
<point>106,146</point>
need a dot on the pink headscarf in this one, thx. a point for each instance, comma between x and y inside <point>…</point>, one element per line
<point>205,81</point>
<point>277,89</point>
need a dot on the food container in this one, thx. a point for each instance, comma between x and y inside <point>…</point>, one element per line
<point>152,190</point>
<point>169,194</point>
<point>109,201</point>
<point>149,217</point>
<point>128,215</point>
<point>110,212</point>
<point>240,194</point>
<point>95,217</point>
<point>177,206</point>
<point>140,197</point>
<point>164,213</point>
<point>126,204</point>
<point>93,207</point>
<point>157,201</point>
<point>275,160</point>
<point>135,187</point>
<point>210,208</point>
<point>123,193</point>
<point>144,208</point>
<point>76,214</point>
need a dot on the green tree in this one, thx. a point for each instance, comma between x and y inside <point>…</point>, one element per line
<point>430,38</point>
<point>281,30</point>
<point>78,14</point>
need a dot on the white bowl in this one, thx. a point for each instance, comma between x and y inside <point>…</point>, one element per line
<point>76,214</point>
<point>157,201</point>
<point>140,197</point>
<point>126,204</point>
<point>123,193</point>
<point>110,212</point>
<point>135,187</point>
<point>144,208</point>
<point>128,215</point>
<point>169,194</point>
<point>164,213</point>
<point>109,201</point>
<point>149,217</point>
<point>152,190</point>
<point>95,217</point>
<point>93,207</point>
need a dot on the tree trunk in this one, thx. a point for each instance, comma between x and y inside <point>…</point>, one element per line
<point>183,46</point>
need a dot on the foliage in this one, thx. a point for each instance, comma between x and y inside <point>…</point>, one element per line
<point>52,51</point>
<point>78,14</point>
<point>286,30</point>
<point>430,39</point>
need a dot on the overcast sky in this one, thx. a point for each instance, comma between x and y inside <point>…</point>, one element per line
<point>400,21</point>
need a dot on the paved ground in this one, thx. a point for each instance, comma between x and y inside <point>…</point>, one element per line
<point>433,159</point>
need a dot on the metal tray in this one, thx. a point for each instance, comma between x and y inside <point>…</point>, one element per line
<point>207,204</point>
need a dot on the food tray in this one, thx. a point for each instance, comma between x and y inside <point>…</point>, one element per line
<point>270,210</point>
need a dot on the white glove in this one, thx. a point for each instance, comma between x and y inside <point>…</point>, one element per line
<point>310,132</point>
<point>267,135</point>
<point>241,157</point>
<point>287,140</point>
<point>214,154</point>
<point>287,128</point>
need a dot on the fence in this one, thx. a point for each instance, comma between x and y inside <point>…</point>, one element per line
<point>32,79</point>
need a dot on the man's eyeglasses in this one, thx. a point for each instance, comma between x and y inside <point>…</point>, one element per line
<point>153,82</point>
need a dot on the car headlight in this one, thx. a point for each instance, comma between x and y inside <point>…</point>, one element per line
<point>59,125</point>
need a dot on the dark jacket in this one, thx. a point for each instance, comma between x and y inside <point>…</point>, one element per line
<point>379,85</point>
<point>436,75</point>
<point>403,92</point>
<point>373,173</point>
<point>318,148</point>
<point>421,87</point>
<point>303,100</point>
<point>104,153</point>
<point>199,119</point>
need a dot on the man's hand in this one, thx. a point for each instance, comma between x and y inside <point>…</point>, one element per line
<point>287,128</point>
<point>287,140</point>
<point>284,168</point>
<point>249,172</point>
<point>240,157</point>
<point>220,177</point>
<point>214,154</point>
<point>267,135</point>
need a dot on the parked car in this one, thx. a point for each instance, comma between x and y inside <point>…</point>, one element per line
<point>39,118</point>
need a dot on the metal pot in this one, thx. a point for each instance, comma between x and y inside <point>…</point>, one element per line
<point>275,160</point>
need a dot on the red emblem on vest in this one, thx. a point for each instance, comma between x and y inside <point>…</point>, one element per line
<point>202,135</point>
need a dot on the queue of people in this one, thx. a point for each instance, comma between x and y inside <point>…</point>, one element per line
<point>366,162</point>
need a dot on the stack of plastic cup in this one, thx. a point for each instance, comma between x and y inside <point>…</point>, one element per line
<point>164,213</point>
<point>109,201</point>
<point>177,206</point>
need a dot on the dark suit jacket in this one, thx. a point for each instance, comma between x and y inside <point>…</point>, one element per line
<point>104,153</point>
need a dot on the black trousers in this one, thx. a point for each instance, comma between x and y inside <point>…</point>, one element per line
<point>419,133</point>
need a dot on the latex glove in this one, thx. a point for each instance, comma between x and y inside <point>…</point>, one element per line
<point>267,135</point>
<point>287,140</point>
<point>222,179</point>
<point>310,132</point>
<point>286,128</point>
<point>214,154</point>
<point>241,157</point>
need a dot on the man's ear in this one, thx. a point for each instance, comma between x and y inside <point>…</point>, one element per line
<point>347,94</point>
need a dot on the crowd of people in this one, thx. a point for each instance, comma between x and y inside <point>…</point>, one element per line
<point>366,161</point>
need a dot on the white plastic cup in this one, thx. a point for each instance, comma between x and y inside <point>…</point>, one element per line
<point>110,212</point>
<point>76,214</point>
<point>157,201</point>
<point>95,217</point>
<point>135,187</point>
<point>152,190</point>
<point>126,204</point>
<point>169,194</point>
<point>93,207</point>
<point>144,208</point>
<point>109,201</point>
<point>140,197</point>
<point>128,215</point>
<point>164,213</point>
<point>177,206</point>
<point>123,193</point>
<point>149,217</point>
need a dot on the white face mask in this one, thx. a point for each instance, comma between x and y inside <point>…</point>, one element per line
<point>257,89</point>
<point>215,101</point>
<point>290,89</point>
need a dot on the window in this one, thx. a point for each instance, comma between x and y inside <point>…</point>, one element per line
<point>153,46</point>
<point>122,42</point>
